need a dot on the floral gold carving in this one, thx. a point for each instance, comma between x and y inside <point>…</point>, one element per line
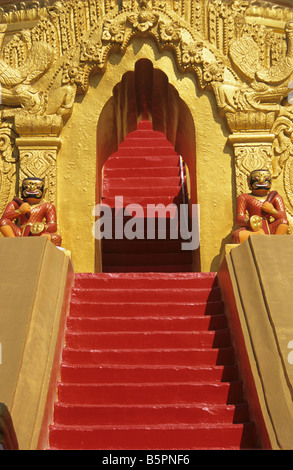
<point>249,157</point>
<point>282,162</point>
<point>246,57</point>
<point>247,66</point>
<point>8,164</point>
<point>41,164</point>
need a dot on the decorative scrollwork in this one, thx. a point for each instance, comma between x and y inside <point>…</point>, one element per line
<point>246,65</point>
<point>8,164</point>
<point>282,161</point>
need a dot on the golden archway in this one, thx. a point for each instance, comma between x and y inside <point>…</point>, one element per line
<point>146,94</point>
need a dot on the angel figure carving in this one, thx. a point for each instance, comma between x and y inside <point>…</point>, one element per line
<point>16,82</point>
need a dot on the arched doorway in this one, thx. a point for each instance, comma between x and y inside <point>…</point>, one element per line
<point>145,96</point>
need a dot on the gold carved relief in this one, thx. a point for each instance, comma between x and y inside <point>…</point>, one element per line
<point>40,164</point>
<point>43,69</point>
<point>283,153</point>
<point>8,164</point>
<point>246,56</point>
<point>250,156</point>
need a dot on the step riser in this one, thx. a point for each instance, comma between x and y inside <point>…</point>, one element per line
<point>191,280</point>
<point>143,191</point>
<point>148,182</point>
<point>168,160</point>
<point>132,415</point>
<point>99,394</point>
<point>188,357</point>
<point>236,436</point>
<point>143,201</point>
<point>80,307</point>
<point>146,324</point>
<point>155,172</point>
<point>146,141</point>
<point>147,295</point>
<point>147,151</point>
<point>154,220</point>
<point>149,340</point>
<point>111,374</point>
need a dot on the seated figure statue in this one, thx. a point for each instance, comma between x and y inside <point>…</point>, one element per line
<point>30,216</point>
<point>262,211</point>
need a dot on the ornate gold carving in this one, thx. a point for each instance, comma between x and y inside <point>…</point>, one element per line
<point>113,31</point>
<point>38,145</point>
<point>22,11</point>
<point>246,57</point>
<point>169,32</point>
<point>269,10</point>
<point>42,164</point>
<point>250,156</point>
<point>213,71</point>
<point>191,53</point>
<point>144,19</point>
<point>82,34</point>
<point>282,161</point>
<point>8,164</point>
<point>16,82</point>
<point>251,107</point>
<point>43,69</point>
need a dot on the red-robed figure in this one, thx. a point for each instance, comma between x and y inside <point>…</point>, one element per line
<point>262,211</point>
<point>30,215</point>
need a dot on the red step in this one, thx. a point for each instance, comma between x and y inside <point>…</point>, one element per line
<point>147,323</point>
<point>152,172</point>
<point>147,308</point>
<point>144,191</point>
<point>142,161</point>
<point>137,149</point>
<point>148,182</point>
<point>148,363</point>
<point>160,437</point>
<point>141,200</point>
<point>144,170</point>
<point>147,414</point>
<point>149,280</point>
<point>148,294</point>
<point>148,340</point>
<point>89,373</point>
<point>159,356</point>
<point>151,393</point>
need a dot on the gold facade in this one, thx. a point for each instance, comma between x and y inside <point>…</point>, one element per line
<point>71,81</point>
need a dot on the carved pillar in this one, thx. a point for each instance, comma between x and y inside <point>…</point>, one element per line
<point>8,164</point>
<point>252,141</point>
<point>38,145</point>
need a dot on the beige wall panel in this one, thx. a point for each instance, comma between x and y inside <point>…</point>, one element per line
<point>261,274</point>
<point>36,280</point>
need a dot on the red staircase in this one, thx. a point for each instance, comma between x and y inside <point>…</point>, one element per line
<point>144,170</point>
<point>148,364</point>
